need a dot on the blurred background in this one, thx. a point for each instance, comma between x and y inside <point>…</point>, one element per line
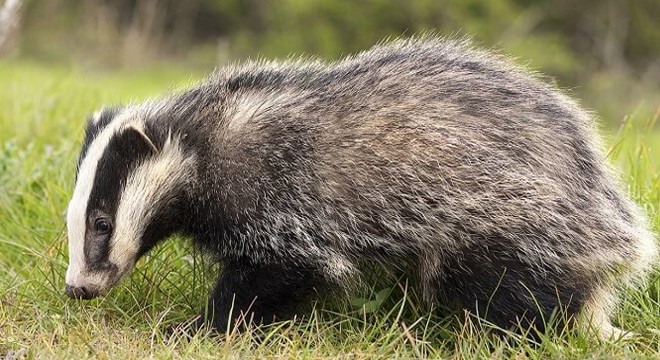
<point>605,52</point>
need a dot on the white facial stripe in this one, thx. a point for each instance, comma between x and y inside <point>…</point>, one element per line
<point>77,211</point>
<point>147,186</point>
<point>246,108</point>
<point>250,106</point>
<point>96,117</point>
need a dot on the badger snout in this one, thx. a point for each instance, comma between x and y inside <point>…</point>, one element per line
<point>80,293</point>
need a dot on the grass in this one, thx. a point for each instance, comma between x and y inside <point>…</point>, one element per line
<point>41,116</point>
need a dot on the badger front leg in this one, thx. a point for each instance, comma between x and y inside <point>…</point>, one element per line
<point>255,293</point>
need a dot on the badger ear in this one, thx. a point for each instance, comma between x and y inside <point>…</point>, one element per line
<point>143,136</point>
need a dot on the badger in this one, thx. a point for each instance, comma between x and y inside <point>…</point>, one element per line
<point>425,157</point>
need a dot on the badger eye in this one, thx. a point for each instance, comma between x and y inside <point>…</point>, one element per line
<point>102,226</point>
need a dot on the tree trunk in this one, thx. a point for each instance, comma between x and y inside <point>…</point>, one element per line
<point>10,19</point>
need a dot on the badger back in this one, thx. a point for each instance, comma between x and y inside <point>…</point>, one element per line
<point>407,147</point>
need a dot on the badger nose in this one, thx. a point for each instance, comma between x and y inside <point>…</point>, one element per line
<point>80,293</point>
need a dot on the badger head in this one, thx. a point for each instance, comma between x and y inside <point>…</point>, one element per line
<point>129,195</point>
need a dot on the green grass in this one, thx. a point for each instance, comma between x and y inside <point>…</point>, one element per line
<point>42,111</point>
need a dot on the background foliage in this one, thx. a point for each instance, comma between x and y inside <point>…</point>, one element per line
<point>606,51</point>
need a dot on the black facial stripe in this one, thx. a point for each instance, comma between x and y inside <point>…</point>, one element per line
<point>94,128</point>
<point>124,153</point>
<point>98,251</point>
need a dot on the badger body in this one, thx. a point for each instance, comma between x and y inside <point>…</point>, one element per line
<point>424,156</point>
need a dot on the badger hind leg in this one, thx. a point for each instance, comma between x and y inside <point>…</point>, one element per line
<point>595,316</point>
<point>493,283</point>
<point>255,293</point>
<point>632,264</point>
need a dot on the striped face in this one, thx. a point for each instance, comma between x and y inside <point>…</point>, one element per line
<point>128,196</point>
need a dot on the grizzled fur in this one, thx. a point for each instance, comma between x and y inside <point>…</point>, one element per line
<point>425,156</point>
